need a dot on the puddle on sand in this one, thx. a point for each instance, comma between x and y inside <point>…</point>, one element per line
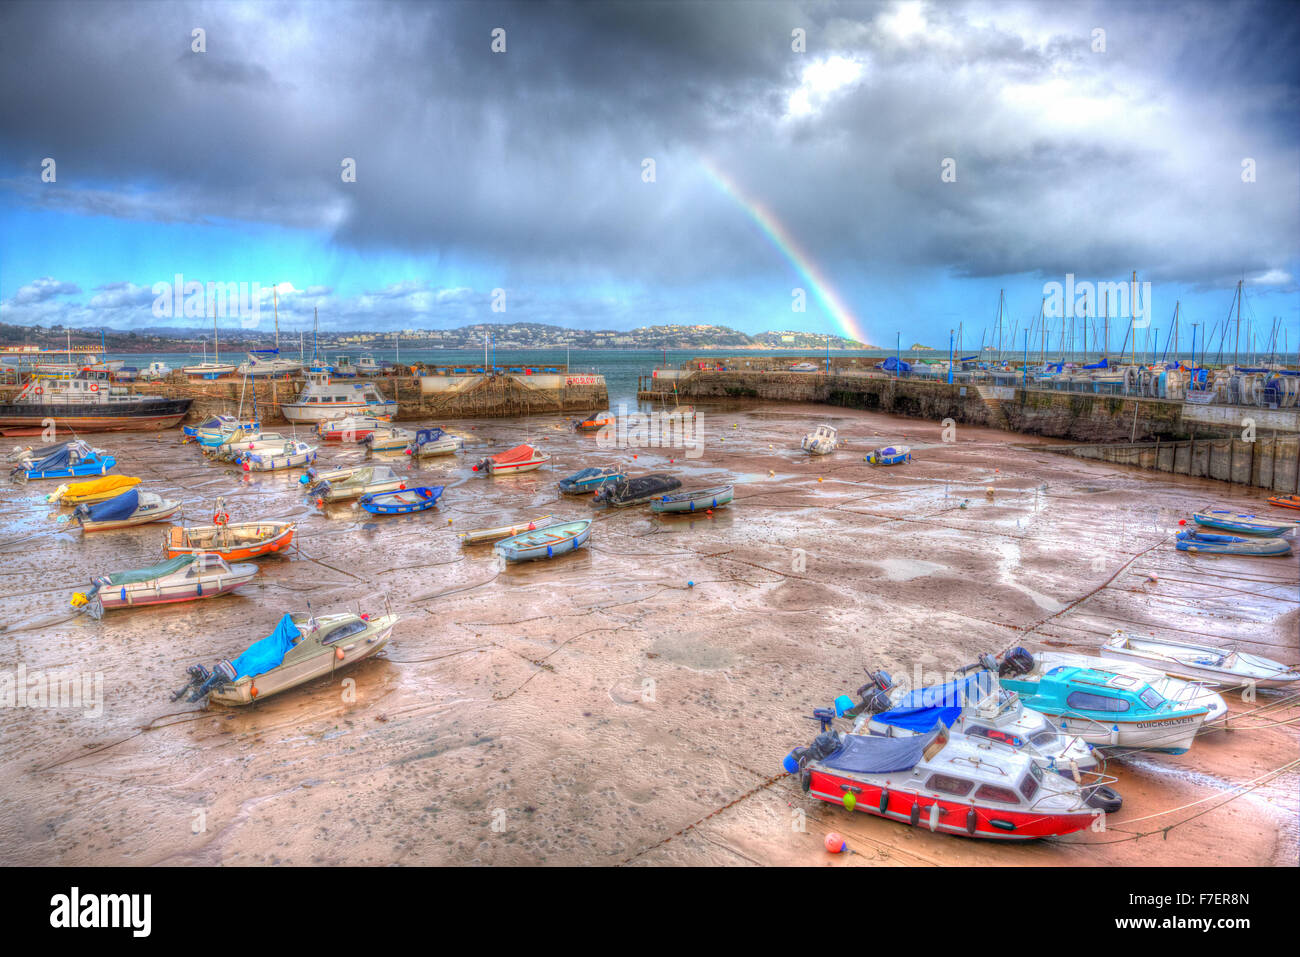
<point>906,569</point>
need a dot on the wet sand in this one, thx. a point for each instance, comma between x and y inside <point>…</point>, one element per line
<point>596,708</point>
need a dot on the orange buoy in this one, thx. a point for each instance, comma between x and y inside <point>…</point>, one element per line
<point>835,844</point>
<point>338,653</point>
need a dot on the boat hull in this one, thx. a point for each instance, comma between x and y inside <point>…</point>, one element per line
<point>154,515</point>
<point>270,537</point>
<point>693,501</point>
<point>514,468</point>
<point>403,502</point>
<point>142,594</point>
<point>148,416</point>
<point>485,536</point>
<point>302,413</point>
<point>546,542</point>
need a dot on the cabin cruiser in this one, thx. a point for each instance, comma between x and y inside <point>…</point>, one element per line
<point>323,399</point>
<point>262,362</point>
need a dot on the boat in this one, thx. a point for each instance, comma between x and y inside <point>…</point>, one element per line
<point>210,370</point>
<point>636,491</point>
<point>595,422</point>
<point>353,482</point>
<point>388,438</point>
<point>131,508</point>
<point>1192,694</point>
<point>1243,524</point>
<point>1202,543</point>
<point>232,541</point>
<point>695,500</point>
<point>246,439</point>
<point>72,459</point>
<point>976,706</point>
<point>369,365</point>
<point>94,490</point>
<point>890,455</point>
<point>344,368</point>
<point>483,536</point>
<point>185,578</point>
<point>1104,708</point>
<point>267,362</point>
<point>403,502</point>
<point>300,649</point>
<point>322,399</point>
<point>587,480</point>
<point>87,402</point>
<point>436,442</point>
<point>522,458</point>
<point>1184,659</point>
<point>215,429</point>
<point>804,367</point>
<point>290,455</point>
<point>156,371</point>
<point>1285,501</point>
<point>349,428</point>
<point>947,783</point>
<point>545,542</point>
<point>821,441</point>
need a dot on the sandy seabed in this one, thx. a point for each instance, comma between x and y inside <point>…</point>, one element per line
<point>598,708</point>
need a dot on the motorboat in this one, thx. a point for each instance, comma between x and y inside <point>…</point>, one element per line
<point>588,480</point>
<point>889,455</point>
<point>435,442</point>
<point>290,455</point>
<point>636,491</point>
<point>131,508</point>
<point>73,459</point>
<point>388,438</point>
<point>268,362</point>
<point>821,441</point>
<point>322,399</point>
<point>349,428</point>
<point>522,458</point>
<point>185,578</point>
<point>87,401</point>
<point>92,490</point>
<point>355,481</point>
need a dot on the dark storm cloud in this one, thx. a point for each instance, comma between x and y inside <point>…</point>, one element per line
<point>1067,160</point>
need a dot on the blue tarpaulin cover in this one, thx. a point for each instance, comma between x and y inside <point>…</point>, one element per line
<point>428,435</point>
<point>115,508</point>
<point>268,653</point>
<point>1098,365</point>
<point>872,754</point>
<point>59,457</point>
<point>894,364</point>
<point>922,709</point>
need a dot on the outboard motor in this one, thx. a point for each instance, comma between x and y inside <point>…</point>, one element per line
<point>1017,662</point>
<point>202,681</point>
<point>823,746</point>
<point>873,697</point>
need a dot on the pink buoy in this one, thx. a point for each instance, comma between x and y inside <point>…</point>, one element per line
<point>835,844</point>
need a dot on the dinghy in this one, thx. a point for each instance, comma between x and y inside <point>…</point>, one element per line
<point>233,542</point>
<point>437,442</point>
<point>483,536</point>
<point>595,422</point>
<point>946,783</point>
<point>400,503</point>
<point>350,428</point>
<point>1243,524</point>
<point>545,542</point>
<point>339,485</point>
<point>291,455</point>
<point>1285,501</point>
<point>1202,543</point>
<point>388,438</point>
<point>1104,708</point>
<point>95,490</point>
<point>131,508</point>
<point>1183,659</point>
<point>72,459</point>
<point>637,491</point>
<point>890,455</point>
<point>522,458</point>
<point>821,441</point>
<point>185,578</point>
<point>588,480</point>
<point>696,500</point>
<point>300,649</point>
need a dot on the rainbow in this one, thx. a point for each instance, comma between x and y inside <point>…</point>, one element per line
<point>849,325</point>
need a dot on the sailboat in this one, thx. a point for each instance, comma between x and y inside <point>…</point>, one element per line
<point>215,369</point>
<point>267,361</point>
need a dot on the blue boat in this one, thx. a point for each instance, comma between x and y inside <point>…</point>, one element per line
<point>892,455</point>
<point>545,542</point>
<point>402,502</point>
<point>1205,544</point>
<point>1243,524</point>
<point>697,500</point>
<point>68,460</point>
<point>588,480</point>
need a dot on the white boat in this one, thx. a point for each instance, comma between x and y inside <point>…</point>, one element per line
<point>209,370</point>
<point>483,536</point>
<point>131,508</point>
<point>804,367</point>
<point>1190,694</point>
<point>433,442</point>
<point>388,438</point>
<point>353,482</point>
<point>821,441</point>
<point>322,399</point>
<point>156,370</point>
<point>369,365</point>
<point>186,578</point>
<point>1233,669</point>
<point>290,455</point>
<point>268,362</point>
<point>243,440</point>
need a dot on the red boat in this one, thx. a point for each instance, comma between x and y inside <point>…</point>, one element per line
<point>954,785</point>
<point>522,458</point>
<point>1285,501</point>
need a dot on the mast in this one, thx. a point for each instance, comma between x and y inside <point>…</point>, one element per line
<point>216,345</point>
<point>1105,331</point>
<point>1236,349</point>
<point>275,304</point>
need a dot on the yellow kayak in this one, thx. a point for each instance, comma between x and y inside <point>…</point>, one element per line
<point>95,490</point>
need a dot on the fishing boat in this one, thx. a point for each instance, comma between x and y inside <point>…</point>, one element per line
<point>349,428</point>
<point>522,458</point>
<point>1184,659</point>
<point>86,401</point>
<point>388,438</point>
<point>821,441</point>
<point>1205,544</point>
<point>954,784</point>
<point>1104,708</point>
<point>438,442</point>
<point>369,365</point>
<point>403,502</point>
<point>1285,501</point>
<point>300,649</point>
<point>546,542</point>
<point>322,399</point>
<point>695,500</point>
<point>1243,524</point>
<point>484,536</point>
<point>636,491</point>
<point>72,459</point>
<point>338,485</point>
<point>595,422</point>
<point>587,480</point>
<point>185,578</point>
<point>131,508</point>
<point>290,455</point>
<point>890,455</point>
<point>94,490</point>
<point>232,541</point>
